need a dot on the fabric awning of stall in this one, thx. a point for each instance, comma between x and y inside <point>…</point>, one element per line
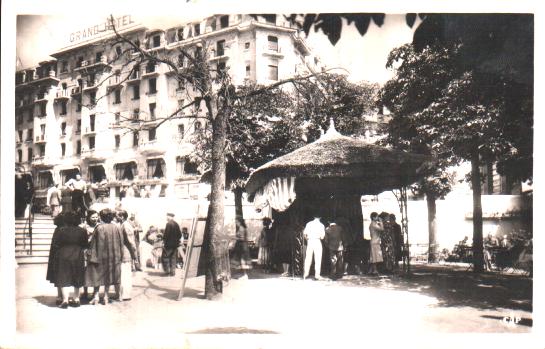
<point>341,164</point>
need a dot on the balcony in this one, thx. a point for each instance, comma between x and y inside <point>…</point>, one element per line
<point>75,91</point>
<point>150,72</point>
<point>93,65</point>
<point>151,147</point>
<point>89,131</point>
<point>40,139</point>
<point>40,98</point>
<point>63,95</point>
<point>134,77</point>
<point>220,55</point>
<point>273,50</point>
<point>90,85</point>
<point>94,154</point>
<point>48,79</point>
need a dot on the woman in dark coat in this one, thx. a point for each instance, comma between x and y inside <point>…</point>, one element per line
<point>51,274</point>
<point>66,263</point>
<point>104,256</point>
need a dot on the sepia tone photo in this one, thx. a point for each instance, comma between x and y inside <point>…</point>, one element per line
<point>180,177</point>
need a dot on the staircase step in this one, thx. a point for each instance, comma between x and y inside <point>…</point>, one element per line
<point>32,259</point>
<point>35,248</point>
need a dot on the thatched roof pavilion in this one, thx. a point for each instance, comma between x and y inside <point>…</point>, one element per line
<point>327,178</point>
<point>343,165</point>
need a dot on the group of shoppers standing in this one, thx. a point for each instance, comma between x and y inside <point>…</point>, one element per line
<point>99,253</point>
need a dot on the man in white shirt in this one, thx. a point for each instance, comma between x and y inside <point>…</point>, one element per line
<point>314,233</point>
<point>78,187</point>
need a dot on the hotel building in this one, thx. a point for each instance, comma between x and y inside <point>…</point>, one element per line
<point>90,110</point>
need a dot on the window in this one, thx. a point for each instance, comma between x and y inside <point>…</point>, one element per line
<point>180,34</point>
<point>78,147</point>
<point>92,118</point>
<point>42,149</point>
<point>270,18</point>
<point>150,67</point>
<point>63,129</point>
<point>213,24</point>
<point>135,72</point>
<point>198,52</point>
<point>20,155</point>
<point>136,92</point>
<point>30,155</point>
<point>20,133</point>
<point>42,110</point>
<point>64,66</point>
<point>117,141</point>
<point>29,118</point>
<point>152,86</point>
<point>152,107</point>
<point>197,126</point>
<point>135,137</point>
<point>63,149</point>
<point>42,130</point>
<point>91,142</point>
<point>63,108</point>
<point>156,41</point>
<point>125,170</point>
<point>117,96</point>
<point>91,80</point>
<point>98,56</point>
<point>156,168</point>
<point>181,129</point>
<point>220,48</point>
<point>197,29</point>
<point>248,71</point>
<point>118,51</point>
<point>151,134</point>
<point>273,72</point>
<point>93,97</point>
<point>78,104</point>
<point>117,117</point>
<point>45,179</point>
<point>136,114</point>
<point>272,43</point>
<point>221,68</point>
<point>79,61</point>
<point>184,166</point>
<point>224,21</point>
<point>246,45</point>
<point>96,173</point>
<point>30,134</point>
<point>78,126</point>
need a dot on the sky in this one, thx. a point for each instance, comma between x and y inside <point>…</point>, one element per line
<point>364,57</point>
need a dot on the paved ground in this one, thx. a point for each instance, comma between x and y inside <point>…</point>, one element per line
<point>434,299</point>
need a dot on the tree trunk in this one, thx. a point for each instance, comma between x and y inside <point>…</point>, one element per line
<point>432,229</point>
<point>478,258</point>
<point>213,284</point>
<point>239,214</point>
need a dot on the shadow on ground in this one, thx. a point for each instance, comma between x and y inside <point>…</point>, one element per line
<point>454,287</point>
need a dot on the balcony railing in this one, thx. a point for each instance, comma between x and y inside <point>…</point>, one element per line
<point>90,63</point>
<point>63,94</point>
<point>40,139</point>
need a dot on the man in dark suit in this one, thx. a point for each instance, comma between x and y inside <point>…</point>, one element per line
<point>171,241</point>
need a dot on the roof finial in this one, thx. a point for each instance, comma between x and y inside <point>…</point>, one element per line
<point>331,132</point>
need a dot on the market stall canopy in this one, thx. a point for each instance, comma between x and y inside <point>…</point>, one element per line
<point>337,164</point>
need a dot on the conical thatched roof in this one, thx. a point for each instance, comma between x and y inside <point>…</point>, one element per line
<point>339,163</point>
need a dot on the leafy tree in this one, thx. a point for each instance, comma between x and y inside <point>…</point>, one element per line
<point>457,114</point>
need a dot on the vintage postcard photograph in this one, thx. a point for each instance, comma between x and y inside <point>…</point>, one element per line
<point>180,178</point>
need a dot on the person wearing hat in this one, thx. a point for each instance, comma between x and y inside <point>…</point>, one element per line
<point>314,233</point>
<point>171,241</point>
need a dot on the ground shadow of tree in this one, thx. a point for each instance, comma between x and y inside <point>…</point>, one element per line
<point>456,287</point>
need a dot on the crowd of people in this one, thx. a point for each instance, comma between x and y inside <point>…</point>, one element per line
<point>105,251</point>
<point>343,250</point>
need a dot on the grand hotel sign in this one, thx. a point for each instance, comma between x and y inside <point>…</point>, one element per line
<point>98,30</point>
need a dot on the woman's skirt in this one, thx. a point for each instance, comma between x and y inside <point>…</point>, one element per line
<point>69,268</point>
<point>263,256</point>
<point>376,253</point>
<point>126,281</point>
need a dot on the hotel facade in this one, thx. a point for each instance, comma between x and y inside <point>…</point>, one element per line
<point>91,109</point>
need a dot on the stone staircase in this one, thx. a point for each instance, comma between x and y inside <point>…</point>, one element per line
<point>42,232</point>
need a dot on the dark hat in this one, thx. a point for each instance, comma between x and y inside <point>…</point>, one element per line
<point>170,214</point>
